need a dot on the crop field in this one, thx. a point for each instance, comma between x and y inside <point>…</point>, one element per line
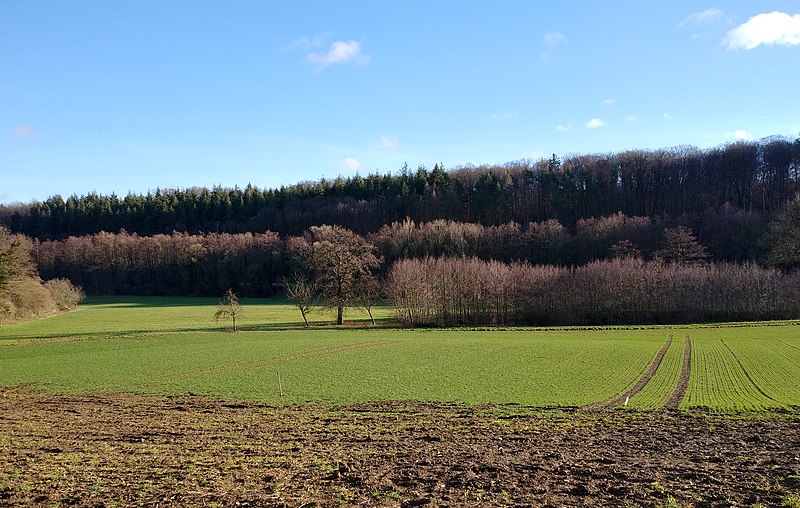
<point>149,401</point>
<point>173,346</point>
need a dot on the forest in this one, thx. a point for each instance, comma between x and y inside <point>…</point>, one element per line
<point>756,178</point>
<point>678,218</point>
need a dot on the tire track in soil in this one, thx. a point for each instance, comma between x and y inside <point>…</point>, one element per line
<point>683,381</point>
<point>618,399</point>
<point>747,374</point>
<point>266,362</point>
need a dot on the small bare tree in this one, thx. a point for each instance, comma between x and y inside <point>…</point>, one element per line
<point>370,293</point>
<point>303,292</point>
<point>229,308</point>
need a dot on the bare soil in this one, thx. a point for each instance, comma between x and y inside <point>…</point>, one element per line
<point>129,450</point>
<point>683,381</point>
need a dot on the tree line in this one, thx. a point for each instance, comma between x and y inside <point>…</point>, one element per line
<point>469,291</point>
<point>432,273</point>
<point>756,178</point>
<point>256,264</point>
<point>23,295</point>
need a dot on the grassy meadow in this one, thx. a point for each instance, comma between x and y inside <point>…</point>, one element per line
<point>174,346</point>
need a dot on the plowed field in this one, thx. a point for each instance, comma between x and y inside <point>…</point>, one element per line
<point>95,450</point>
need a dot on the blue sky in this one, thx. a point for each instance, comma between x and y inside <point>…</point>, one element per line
<point>134,95</point>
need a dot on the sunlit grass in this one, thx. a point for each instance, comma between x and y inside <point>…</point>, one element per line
<point>174,346</point>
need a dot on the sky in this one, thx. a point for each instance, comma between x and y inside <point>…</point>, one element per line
<point>131,96</point>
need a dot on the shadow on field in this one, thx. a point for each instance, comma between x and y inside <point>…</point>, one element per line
<point>262,327</point>
<point>156,301</point>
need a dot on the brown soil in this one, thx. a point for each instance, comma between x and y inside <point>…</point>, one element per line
<point>134,450</point>
<point>683,381</point>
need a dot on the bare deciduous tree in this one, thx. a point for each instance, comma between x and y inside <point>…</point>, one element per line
<point>229,308</point>
<point>342,262</point>
<point>303,292</point>
<point>679,245</point>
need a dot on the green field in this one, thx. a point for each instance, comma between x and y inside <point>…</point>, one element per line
<point>173,346</point>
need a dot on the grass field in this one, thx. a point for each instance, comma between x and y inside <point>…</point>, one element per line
<point>173,346</point>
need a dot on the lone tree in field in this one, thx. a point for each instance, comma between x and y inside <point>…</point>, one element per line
<point>303,292</point>
<point>229,308</point>
<point>342,263</point>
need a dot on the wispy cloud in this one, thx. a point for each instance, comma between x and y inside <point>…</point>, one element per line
<point>563,128</point>
<point>555,38</point>
<point>609,102</point>
<point>552,39</point>
<point>388,143</point>
<point>340,52</point>
<point>23,131</point>
<point>349,164</point>
<point>504,115</point>
<point>631,118</point>
<point>307,43</point>
<point>701,17</point>
<point>596,123</point>
<point>769,29</point>
<point>667,116</point>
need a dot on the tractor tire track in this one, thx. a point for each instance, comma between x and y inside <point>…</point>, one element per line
<point>747,374</point>
<point>270,361</point>
<point>618,399</point>
<point>683,381</point>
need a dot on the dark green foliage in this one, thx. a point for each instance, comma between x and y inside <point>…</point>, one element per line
<point>757,177</point>
<point>14,261</point>
<point>783,238</point>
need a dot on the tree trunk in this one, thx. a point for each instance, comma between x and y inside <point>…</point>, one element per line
<point>339,315</point>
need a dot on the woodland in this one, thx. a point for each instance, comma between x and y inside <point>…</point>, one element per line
<point>636,236</point>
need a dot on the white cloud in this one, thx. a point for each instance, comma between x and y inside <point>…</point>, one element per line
<point>609,102</point>
<point>701,17</point>
<point>555,38</point>
<point>631,118</point>
<point>595,123</point>
<point>307,43</point>
<point>667,116</point>
<point>23,131</point>
<point>388,142</point>
<point>340,52</point>
<point>768,29</point>
<point>741,134</point>
<point>563,128</point>
<point>505,115</point>
<point>349,164</point>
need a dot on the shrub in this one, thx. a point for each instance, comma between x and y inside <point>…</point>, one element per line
<point>64,293</point>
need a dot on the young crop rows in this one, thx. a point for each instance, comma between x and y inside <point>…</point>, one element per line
<point>740,374</point>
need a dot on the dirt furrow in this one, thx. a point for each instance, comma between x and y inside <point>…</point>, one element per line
<point>618,399</point>
<point>683,381</point>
